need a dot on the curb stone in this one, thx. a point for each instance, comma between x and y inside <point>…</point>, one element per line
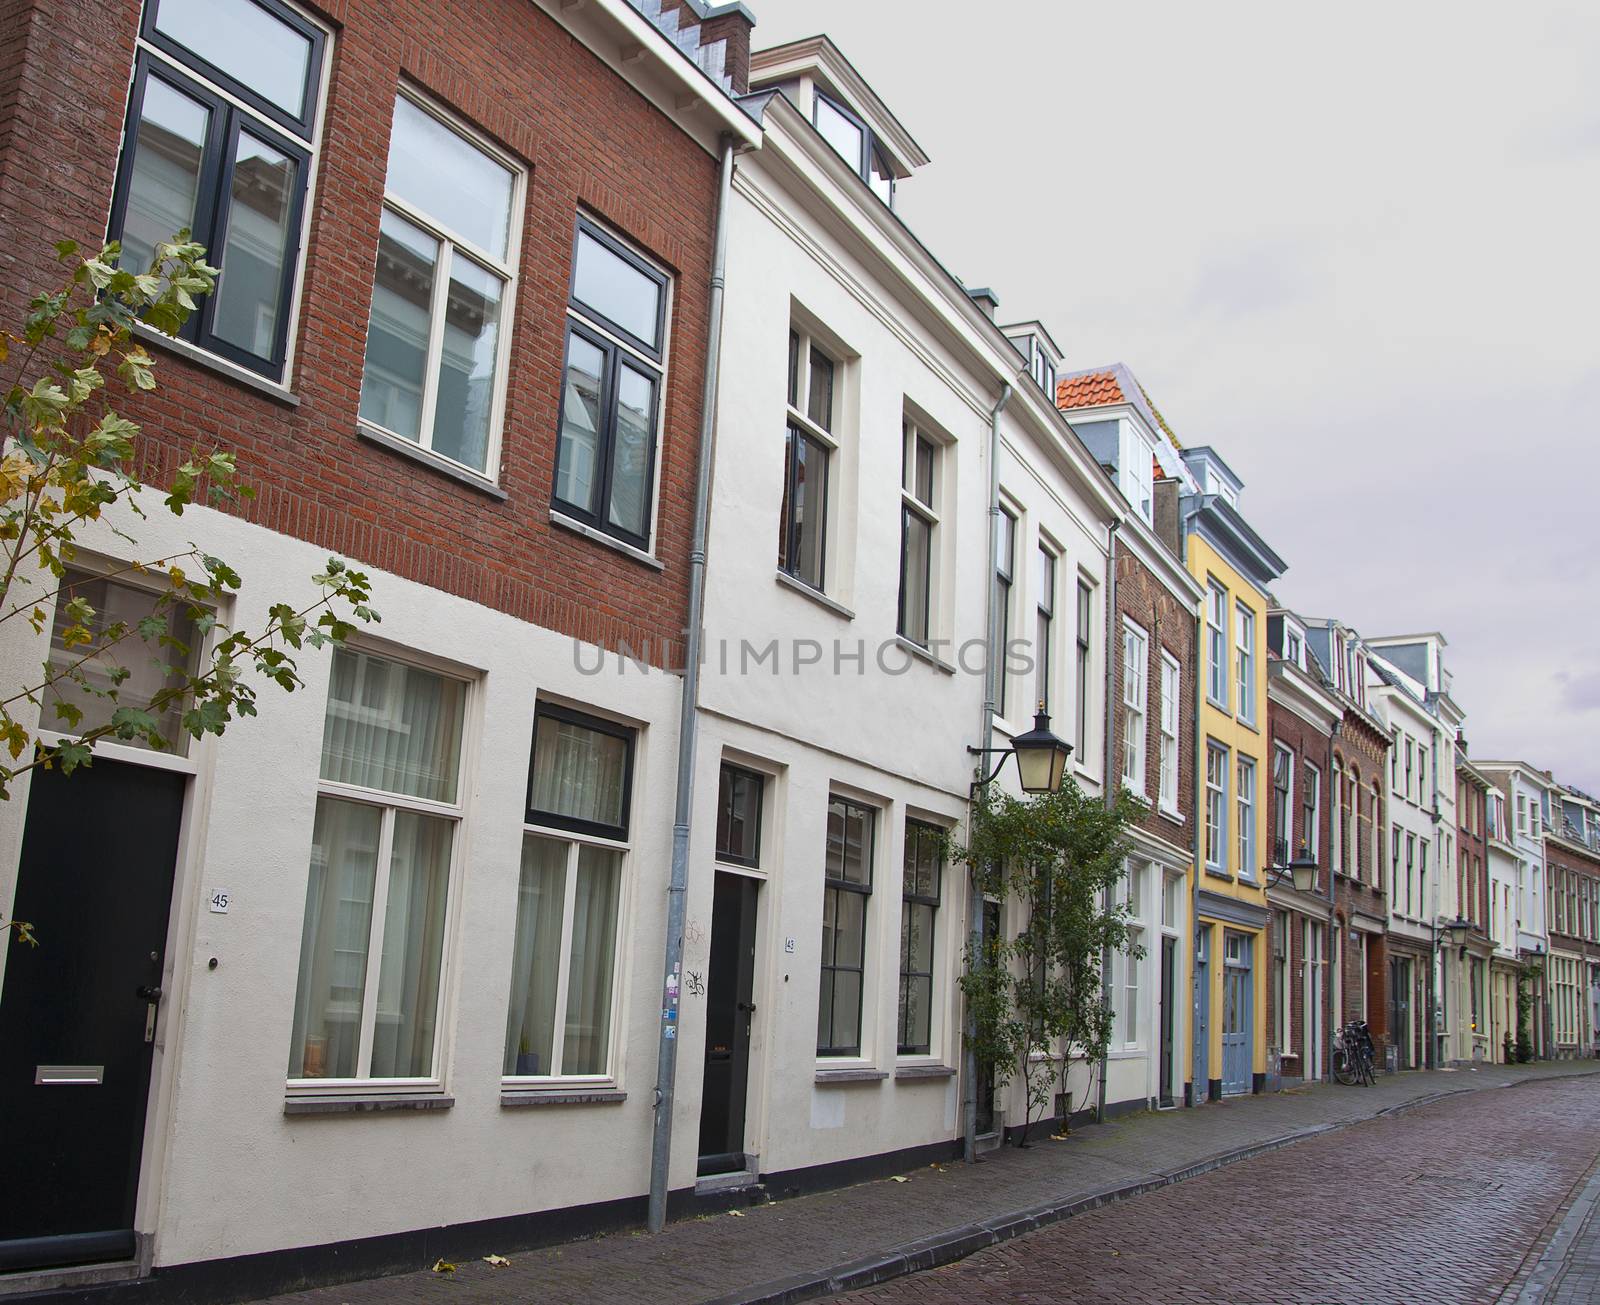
<point>957,1243</point>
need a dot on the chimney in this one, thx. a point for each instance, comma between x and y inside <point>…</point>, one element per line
<point>731,23</point>
<point>1164,511</point>
<point>986,299</point>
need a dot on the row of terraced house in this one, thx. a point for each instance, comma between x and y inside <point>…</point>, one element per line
<point>606,875</point>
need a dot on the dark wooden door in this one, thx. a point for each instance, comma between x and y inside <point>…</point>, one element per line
<point>95,881</point>
<point>729,1013</point>
<point>990,928</point>
<point>1169,979</point>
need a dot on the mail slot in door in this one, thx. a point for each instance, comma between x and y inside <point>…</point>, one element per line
<point>69,1075</point>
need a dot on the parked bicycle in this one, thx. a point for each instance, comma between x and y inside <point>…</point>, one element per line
<point>1354,1056</point>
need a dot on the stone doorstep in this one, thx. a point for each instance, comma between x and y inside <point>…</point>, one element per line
<point>958,1243</point>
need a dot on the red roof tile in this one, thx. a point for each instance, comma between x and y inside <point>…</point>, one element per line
<point>1090,390</point>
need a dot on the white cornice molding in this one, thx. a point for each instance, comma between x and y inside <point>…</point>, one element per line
<point>618,34</point>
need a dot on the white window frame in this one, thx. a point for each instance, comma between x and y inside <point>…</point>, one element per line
<point>1291,807</point>
<point>1244,618</point>
<point>1216,821</point>
<point>1135,705</point>
<point>390,804</point>
<point>1127,968</point>
<point>1216,645</point>
<point>450,243</point>
<point>1312,836</point>
<point>1245,800</point>
<point>1171,692</point>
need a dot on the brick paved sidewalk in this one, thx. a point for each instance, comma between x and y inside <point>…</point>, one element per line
<point>1569,1271</point>
<point>809,1246</point>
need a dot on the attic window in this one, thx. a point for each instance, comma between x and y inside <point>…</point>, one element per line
<point>853,141</point>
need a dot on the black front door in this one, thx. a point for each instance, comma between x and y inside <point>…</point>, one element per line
<point>985,1087</point>
<point>729,987</point>
<point>76,1012</point>
<point>1169,979</point>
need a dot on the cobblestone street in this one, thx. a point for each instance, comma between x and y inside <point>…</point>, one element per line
<point>1424,1202</point>
<point>1442,1204</point>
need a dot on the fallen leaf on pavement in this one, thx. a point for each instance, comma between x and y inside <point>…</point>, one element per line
<point>737,1214</point>
<point>498,1261</point>
<point>898,1179</point>
<point>443,1266</point>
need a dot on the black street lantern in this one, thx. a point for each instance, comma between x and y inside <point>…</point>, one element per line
<point>1041,757</point>
<point>1458,929</point>
<point>1304,870</point>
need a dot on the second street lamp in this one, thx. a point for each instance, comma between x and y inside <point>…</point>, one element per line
<point>1041,757</point>
<point>1302,872</point>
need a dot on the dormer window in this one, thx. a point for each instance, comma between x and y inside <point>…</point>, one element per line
<point>852,140</point>
<point>1294,648</point>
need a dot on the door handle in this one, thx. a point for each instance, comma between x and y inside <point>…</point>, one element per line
<point>748,1007</point>
<point>147,992</point>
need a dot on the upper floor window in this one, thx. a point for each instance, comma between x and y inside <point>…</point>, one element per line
<point>1217,644</point>
<point>1311,813</point>
<point>1282,811</point>
<point>1294,649</point>
<point>222,118</point>
<point>853,141</point>
<point>611,392</point>
<point>1081,687</point>
<point>1004,572</point>
<point>1245,638</point>
<point>1167,795</point>
<point>919,524</point>
<point>809,450</point>
<point>434,373</point>
<point>1135,662</point>
<point>1216,828</point>
<point>1044,627</point>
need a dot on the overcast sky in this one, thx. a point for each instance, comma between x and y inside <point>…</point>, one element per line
<point>1355,248</point>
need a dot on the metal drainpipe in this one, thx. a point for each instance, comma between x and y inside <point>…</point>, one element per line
<point>1109,792</point>
<point>1197,810</point>
<point>1333,924</point>
<point>688,721</point>
<point>969,1055</point>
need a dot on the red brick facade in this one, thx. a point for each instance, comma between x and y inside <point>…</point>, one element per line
<point>1168,625</point>
<point>1361,873</point>
<point>587,140</point>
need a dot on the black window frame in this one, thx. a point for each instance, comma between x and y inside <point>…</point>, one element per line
<point>909,898</point>
<point>743,772</point>
<point>1005,573</point>
<point>213,198</point>
<point>872,149</point>
<point>912,438</point>
<point>593,326</point>
<point>798,433</point>
<point>836,884</point>
<point>305,123</point>
<point>537,816</point>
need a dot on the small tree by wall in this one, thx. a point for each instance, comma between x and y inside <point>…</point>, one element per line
<point>1036,997</point>
<point>68,461</point>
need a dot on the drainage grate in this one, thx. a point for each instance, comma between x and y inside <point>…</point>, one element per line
<point>1455,1183</point>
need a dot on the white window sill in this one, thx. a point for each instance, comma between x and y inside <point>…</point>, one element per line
<point>1214,873</point>
<point>406,449</point>
<point>1127,1053</point>
<point>560,518</point>
<point>815,595</point>
<point>241,375</point>
<point>915,1070</point>
<point>924,654</point>
<point>352,1103</point>
<point>849,1074</point>
<point>1167,813</point>
<point>512,1095</point>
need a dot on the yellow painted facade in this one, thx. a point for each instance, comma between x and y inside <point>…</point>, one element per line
<point>1233,749</point>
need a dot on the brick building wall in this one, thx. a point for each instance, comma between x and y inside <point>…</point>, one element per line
<point>587,140</point>
<point>1169,626</point>
<point>1362,750</point>
<point>1472,850</point>
<point>1572,901</point>
<point>1307,745</point>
